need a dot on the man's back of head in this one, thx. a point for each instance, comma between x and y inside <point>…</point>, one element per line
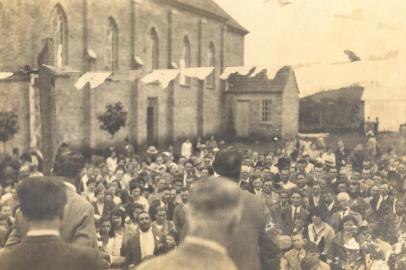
<point>214,205</point>
<point>41,199</point>
<point>68,164</point>
<point>227,163</point>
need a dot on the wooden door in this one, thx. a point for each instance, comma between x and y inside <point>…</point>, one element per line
<point>152,121</point>
<point>242,117</point>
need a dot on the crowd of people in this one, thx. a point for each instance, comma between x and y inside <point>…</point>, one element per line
<point>326,206</point>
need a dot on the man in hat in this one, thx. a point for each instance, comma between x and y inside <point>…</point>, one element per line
<point>284,174</point>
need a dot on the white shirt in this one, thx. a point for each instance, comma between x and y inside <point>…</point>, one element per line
<point>43,233</point>
<point>381,199</point>
<point>111,164</point>
<point>147,243</point>
<point>316,200</point>
<point>344,213</point>
<point>258,192</point>
<point>113,246</point>
<point>288,186</point>
<point>330,206</point>
<point>186,150</point>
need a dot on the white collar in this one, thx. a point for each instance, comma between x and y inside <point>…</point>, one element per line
<point>43,233</point>
<point>69,185</point>
<point>206,243</point>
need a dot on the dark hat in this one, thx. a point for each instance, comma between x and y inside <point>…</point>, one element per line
<point>283,164</point>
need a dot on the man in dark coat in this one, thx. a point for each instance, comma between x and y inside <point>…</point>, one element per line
<point>144,244</point>
<point>213,212</point>
<point>42,202</point>
<point>251,246</point>
<point>293,212</point>
<point>78,225</point>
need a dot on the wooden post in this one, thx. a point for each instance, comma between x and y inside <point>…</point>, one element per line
<point>170,105</point>
<point>200,86</point>
<point>46,85</point>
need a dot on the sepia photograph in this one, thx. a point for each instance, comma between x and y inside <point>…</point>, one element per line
<point>202,134</point>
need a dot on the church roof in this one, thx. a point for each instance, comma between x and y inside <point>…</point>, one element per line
<point>211,7</point>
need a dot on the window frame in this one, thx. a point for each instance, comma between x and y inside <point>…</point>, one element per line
<point>268,112</point>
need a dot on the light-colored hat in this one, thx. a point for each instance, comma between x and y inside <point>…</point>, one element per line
<point>152,150</point>
<point>245,169</point>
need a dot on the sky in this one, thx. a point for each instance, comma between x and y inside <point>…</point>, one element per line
<point>313,31</point>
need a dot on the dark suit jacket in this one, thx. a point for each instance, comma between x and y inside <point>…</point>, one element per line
<point>190,256</point>
<point>340,156</point>
<point>385,208</point>
<point>78,225</point>
<point>49,253</point>
<point>287,220</point>
<point>322,203</point>
<point>108,207</point>
<point>250,247</point>
<point>132,251</point>
<point>329,213</point>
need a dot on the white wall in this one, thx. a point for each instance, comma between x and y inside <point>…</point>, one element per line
<point>391,114</point>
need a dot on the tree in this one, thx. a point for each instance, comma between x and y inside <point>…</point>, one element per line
<point>113,119</point>
<point>8,126</point>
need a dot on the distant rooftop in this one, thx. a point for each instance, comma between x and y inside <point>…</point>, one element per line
<point>260,83</point>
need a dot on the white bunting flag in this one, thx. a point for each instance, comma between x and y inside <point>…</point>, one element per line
<point>5,75</point>
<point>163,76</point>
<point>93,78</point>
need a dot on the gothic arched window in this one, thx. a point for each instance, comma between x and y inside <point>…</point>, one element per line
<point>154,50</point>
<point>111,49</point>
<point>211,80</point>
<point>185,60</point>
<point>60,36</point>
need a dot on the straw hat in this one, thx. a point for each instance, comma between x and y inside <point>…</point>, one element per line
<point>152,150</point>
